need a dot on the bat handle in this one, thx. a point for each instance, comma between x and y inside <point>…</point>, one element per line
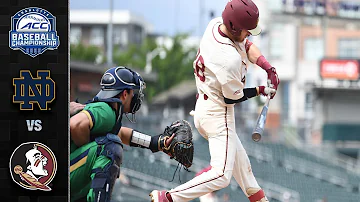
<point>268,99</point>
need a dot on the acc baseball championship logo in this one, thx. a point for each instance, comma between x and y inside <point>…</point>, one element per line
<point>33,31</point>
<point>33,166</point>
<point>29,90</point>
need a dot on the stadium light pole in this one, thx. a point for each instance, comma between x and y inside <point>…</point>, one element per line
<point>176,11</point>
<point>201,10</point>
<point>325,27</point>
<point>151,55</point>
<point>110,35</point>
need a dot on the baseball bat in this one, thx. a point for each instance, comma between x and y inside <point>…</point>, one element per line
<point>260,123</point>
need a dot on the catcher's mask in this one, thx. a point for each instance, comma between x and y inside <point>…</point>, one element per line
<point>118,79</point>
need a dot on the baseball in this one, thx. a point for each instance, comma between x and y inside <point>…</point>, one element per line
<point>192,113</point>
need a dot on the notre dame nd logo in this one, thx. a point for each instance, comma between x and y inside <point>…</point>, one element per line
<point>30,90</point>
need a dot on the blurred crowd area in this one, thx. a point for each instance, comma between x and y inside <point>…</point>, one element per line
<point>311,147</point>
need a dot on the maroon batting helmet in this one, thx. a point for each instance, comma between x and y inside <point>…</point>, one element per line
<point>241,15</point>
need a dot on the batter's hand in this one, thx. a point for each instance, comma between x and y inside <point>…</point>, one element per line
<point>75,108</point>
<point>273,80</point>
<point>265,91</point>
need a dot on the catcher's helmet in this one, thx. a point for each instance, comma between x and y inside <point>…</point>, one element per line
<point>117,79</point>
<point>241,15</point>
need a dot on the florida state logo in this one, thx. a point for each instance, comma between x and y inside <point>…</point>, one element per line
<point>33,166</point>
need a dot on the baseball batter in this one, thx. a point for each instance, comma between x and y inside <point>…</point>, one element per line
<point>220,74</point>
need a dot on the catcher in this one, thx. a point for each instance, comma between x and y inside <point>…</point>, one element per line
<point>97,136</point>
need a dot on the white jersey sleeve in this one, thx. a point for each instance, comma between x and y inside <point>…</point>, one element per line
<point>230,80</point>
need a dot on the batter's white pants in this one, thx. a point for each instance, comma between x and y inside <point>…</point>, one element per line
<point>228,157</point>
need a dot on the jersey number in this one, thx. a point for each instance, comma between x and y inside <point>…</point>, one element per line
<point>200,68</point>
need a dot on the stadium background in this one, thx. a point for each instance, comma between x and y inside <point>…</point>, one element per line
<point>311,148</point>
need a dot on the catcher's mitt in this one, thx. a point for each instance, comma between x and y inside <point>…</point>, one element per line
<point>181,147</point>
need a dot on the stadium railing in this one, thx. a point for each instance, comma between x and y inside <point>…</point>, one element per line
<point>315,170</point>
<point>349,164</point>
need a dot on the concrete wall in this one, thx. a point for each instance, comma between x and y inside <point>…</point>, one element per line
<point>333,36</point>
<point>334,106</point>
<point>341,107</point>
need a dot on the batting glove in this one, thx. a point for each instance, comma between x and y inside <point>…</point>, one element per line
<point>265,91</point>
<point>273,79</point>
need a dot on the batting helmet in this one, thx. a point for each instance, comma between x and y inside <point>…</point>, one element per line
<point>241,15</point>
<point>117,79</point>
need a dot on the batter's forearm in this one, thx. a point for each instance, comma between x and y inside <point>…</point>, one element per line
<point>255,56</point>
<point>253,53</point>
<point>248,93</point>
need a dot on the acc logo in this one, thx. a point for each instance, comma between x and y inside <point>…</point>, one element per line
<point>33,166</point>
<point>33,31</point>
<point>30,90</point>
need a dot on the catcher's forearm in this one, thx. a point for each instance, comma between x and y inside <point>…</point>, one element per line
<point>137,139</point>
<point>125,135</point>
